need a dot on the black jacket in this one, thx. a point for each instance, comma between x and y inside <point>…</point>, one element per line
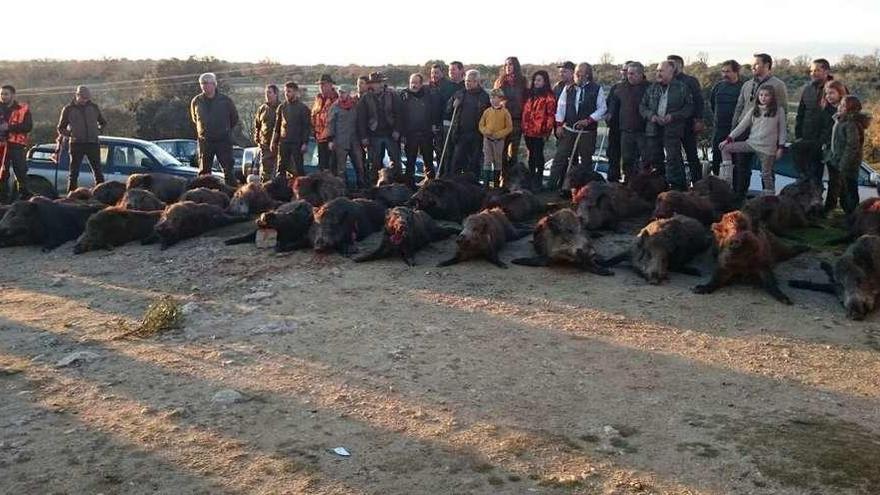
<point>813,122</point>
<point>293,123</point>
<point>515,99</point>
<point>722,102</point>
<point>696,94</point>
<point>419,112</point>
<point>378,114</point>
<point>625,105</point>
<point>471,106</point>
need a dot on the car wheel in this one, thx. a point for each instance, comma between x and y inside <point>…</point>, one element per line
<point>39,186</point>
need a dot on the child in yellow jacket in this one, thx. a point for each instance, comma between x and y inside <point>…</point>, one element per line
<point>495,125</point>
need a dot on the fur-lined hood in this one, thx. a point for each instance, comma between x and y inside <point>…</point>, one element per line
<point>860,118</point>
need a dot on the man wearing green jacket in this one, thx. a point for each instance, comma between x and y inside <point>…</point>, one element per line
<point>214,116</point>
<point>264,126</point>
<point>666,106</point>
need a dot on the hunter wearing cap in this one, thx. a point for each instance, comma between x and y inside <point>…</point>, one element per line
<point>325,98</point>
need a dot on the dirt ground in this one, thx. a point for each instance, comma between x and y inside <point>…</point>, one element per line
<point>463,380</point>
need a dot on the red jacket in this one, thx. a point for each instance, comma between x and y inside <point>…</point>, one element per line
<point>320,115</point>
<point>19,124</point>
<point>539,115</point>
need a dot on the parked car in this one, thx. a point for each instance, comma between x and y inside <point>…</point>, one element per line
<point>185,150</point>
<point>120,157</point>
<point>786,173</point>
<point>251,162</point>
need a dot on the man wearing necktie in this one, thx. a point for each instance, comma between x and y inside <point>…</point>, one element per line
<point>580,107</point>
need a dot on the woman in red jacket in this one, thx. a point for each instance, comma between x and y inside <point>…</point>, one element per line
<point>538,120</point>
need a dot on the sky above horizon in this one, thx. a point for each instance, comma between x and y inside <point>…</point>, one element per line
<point>345,33</point>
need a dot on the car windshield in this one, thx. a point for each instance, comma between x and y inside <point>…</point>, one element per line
<point>162,156</point>
<point>190,148</point>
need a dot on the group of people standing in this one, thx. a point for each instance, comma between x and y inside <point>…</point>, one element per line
<point>829,129</point>
<point>448,120</point>
<point>654,124</point>
<point>830,135</point>
<point>78,128</point>
<point>650,124</point>
<point>361,124</point>
<point>456,126</point>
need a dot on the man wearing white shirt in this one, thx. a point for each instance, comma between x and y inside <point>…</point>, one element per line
<point>580,107</point>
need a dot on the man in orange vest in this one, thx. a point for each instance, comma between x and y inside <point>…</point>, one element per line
<point>324,100</point>
<point>15,124</point>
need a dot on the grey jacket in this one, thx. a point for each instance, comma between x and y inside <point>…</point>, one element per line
<point>749,94</point>
<point>342,126</point>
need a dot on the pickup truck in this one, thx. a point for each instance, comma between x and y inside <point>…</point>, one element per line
<point>120,157</point>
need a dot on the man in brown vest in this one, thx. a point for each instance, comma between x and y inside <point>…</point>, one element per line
<point>81,121</point>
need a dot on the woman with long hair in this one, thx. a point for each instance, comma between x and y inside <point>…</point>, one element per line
<point>514,85</point>
<point>538,121</point>
<point>835,92</point>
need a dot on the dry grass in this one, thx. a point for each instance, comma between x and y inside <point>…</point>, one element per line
<point>161,316</point>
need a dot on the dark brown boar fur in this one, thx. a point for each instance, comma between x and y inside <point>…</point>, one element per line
<point>407,231</point>
<point>744,253</point>
<point>484,234</point>
<point>116,226</point>
<point>689,204</point>
<point>561,238</point>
